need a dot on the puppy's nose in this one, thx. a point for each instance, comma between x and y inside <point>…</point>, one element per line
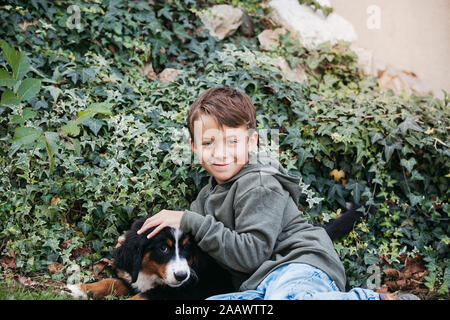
<point>180,275</point>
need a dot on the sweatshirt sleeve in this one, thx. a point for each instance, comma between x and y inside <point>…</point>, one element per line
<point>258,218</point>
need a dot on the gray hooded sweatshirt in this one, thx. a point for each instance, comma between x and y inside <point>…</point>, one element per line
<point>251,225</point>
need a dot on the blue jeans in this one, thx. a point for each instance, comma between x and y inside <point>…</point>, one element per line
<point>298,281</point>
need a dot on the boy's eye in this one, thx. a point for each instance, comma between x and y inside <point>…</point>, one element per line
<point>208,143</point>
<point>232,141</point>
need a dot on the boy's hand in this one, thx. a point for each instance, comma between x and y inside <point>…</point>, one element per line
<point>164,218</point>
<point>120,241</point>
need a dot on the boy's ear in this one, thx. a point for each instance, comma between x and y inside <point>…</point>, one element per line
<point>253,141</point>
<point>192,145</point>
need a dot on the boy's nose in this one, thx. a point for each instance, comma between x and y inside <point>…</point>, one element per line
<point>219,151</point>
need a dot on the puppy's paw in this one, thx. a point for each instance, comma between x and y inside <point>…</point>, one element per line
<point>76,291</point>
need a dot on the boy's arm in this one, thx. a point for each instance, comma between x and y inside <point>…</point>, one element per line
<point>258,222</point>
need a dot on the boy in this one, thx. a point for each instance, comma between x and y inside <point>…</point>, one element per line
<point>247,217</point>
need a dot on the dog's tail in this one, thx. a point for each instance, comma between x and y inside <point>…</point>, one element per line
<point>342,225</point>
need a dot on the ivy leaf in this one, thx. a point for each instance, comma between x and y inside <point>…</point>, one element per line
<point>93,124</point>
<point>303,154</point>
<point>409,124</point>
<point>72,129</point>
<point>54,92</point>
<point>337,174</point>
<point>375,136</point>
<point>165,11</point>
<point>335,188</point>
<point>357,188</point>
<point>313,63</point>
<point>408,164</point>
<point>389,150</point>
<point>414,199</point>
<point>87,74</point>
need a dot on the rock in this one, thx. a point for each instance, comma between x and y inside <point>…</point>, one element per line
<point>297,74</point>
<point>222,20</point>
<point>401,81</point>
<point>269,38</point>
<point>247,27</point>
<point>312,27</point>
<point>169,74</point>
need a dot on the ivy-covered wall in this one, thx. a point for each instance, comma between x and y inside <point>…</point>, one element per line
<point>90,148</point>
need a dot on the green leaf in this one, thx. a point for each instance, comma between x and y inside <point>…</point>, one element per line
<point>9,98</point>
<point>103,108</point>
<point>94,125</point>
<point>6,79</point>
<point>415,199</point>
<point>54,92</point>
<point>27,114</point>
<point>357,188</point>
<point>28,89</point>
<point>21,66</point>
<point>24,136</point>
<point>17,60</point>
<point>313,63</point>
<point>50,139</point>
<point>389,150</point>
<point>375,136</point>
<point>409,124</point>
<point>71,128</point>
<point>408,164</point>
<point>8,52</point>
<point>165,11</point>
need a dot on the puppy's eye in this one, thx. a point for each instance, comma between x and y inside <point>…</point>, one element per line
<point>164,249</point>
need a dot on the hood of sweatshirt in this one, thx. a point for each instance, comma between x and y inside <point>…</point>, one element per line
<point>262,162</point>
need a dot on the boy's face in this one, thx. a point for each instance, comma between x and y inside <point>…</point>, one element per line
<point>222,151</point>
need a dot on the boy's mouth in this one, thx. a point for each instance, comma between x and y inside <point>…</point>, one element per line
<point>220,164</point>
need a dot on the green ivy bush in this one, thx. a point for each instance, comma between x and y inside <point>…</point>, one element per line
<point>118,149</point>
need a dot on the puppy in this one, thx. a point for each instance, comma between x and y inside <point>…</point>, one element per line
<point>168,266</point>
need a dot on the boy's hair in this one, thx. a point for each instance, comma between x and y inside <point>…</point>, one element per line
<point>228,106</point>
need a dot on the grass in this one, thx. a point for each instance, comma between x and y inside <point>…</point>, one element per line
<point>11,289</point>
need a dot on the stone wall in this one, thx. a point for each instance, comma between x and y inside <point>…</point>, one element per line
<point>412,35</point>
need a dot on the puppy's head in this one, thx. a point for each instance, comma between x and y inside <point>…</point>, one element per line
<point>167,257</point>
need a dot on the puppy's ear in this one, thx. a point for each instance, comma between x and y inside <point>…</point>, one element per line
<point>138,254</point>
<point>137,261</point>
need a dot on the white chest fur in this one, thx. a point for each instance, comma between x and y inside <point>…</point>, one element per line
<point>146,282</point>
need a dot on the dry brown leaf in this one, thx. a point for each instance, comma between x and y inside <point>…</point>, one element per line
<point>101,265</point>
<point>8,262</point>
<point>414,265</point>
<point>410,277</point>
<point>392,273</point>
<point>337,174</point>
<point>55,201</point>
<point>27,282</point>
<point>55,267</point>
